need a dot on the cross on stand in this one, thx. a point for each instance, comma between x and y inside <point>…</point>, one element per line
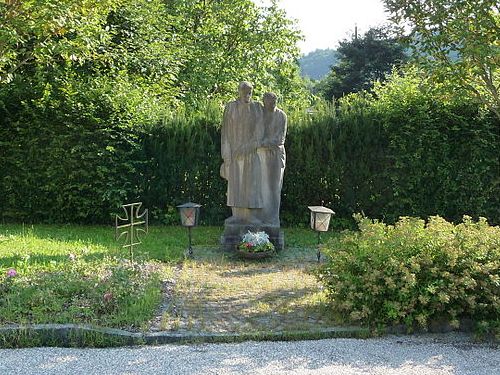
<point>133,220</point>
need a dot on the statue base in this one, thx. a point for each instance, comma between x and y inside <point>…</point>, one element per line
<point>231,237</point>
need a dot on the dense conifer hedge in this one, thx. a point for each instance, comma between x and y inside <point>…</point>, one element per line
<point>402,151</point>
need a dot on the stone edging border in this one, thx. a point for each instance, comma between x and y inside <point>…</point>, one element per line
<point>75,335</point>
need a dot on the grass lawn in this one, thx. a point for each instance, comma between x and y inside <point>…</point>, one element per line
<point>79,274</point>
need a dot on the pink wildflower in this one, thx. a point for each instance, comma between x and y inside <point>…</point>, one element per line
<point>107,297</point>
<point>11,272</point>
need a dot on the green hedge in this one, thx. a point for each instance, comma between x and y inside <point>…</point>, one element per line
<point>414,273</point>
<point>442,152</point>
<point>66,158</point>
<point>181,163</point>
<point>336,157</point>
<point>74,153</point>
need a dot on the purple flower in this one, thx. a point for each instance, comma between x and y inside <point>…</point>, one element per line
<point>11,272</point>
<point>107,297</point>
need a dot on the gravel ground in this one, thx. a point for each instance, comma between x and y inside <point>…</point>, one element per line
<point>402,355</point>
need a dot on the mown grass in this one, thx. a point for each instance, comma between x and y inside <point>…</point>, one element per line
<point>166,244</point>
<point>80,274</point>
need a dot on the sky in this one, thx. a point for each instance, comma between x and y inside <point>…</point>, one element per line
<point>325,22</point>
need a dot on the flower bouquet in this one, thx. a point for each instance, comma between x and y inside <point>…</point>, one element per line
<point>255,245</point>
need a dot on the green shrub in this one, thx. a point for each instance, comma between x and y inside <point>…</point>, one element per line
<point>415,272</point>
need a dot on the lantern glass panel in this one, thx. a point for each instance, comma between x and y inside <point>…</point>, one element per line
<point>188,216</point>
<point>320,221</point>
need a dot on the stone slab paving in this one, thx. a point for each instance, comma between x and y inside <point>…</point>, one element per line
<point>218,292</point>
<point>416,355</point>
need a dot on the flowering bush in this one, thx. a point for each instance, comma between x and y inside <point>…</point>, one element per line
<point>415,272</point>
<point>257,242</point>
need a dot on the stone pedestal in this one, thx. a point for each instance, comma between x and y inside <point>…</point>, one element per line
<point>233,233</point>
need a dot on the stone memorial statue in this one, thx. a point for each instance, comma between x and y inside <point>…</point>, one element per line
<point>253,153</point>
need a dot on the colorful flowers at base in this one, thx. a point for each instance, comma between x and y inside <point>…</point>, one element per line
<point>257,242</point>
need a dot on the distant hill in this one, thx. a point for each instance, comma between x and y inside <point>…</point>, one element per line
<point>316,64</point>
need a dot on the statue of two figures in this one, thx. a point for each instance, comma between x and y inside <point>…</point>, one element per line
<point>253,153</point>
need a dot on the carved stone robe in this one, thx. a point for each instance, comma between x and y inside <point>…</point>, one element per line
<point>272,158</point>
<point>240,136</point>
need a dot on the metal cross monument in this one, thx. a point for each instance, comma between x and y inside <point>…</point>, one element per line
<point>131,227</point>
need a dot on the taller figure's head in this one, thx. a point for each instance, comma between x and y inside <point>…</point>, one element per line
<point>245,90</point>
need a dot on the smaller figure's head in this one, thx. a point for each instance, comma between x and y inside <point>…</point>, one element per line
<point>245,90</point>
<point>269,100</point>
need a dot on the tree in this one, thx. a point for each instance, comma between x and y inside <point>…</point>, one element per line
<point>456,41</point>
<point>229,41</point>
<point>50,32</point>
<point>361,61</point>
<point>178,51</point>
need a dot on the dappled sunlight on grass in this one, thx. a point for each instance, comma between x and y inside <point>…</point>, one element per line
<point>162,243</point>
<point>80,274</point>
<point>31,245</point>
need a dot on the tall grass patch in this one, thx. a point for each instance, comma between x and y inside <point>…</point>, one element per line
<point>72,274</point>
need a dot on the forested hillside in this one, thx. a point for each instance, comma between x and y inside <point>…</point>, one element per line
<point>317,64</point>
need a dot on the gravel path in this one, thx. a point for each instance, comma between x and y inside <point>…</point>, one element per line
<point>428,354</point>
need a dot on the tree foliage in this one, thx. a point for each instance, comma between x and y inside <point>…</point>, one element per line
<point>456,41</point>
<point>228,41</point>
<point>177,51</point>
<point>44,33</point>
<point>361,61</point>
